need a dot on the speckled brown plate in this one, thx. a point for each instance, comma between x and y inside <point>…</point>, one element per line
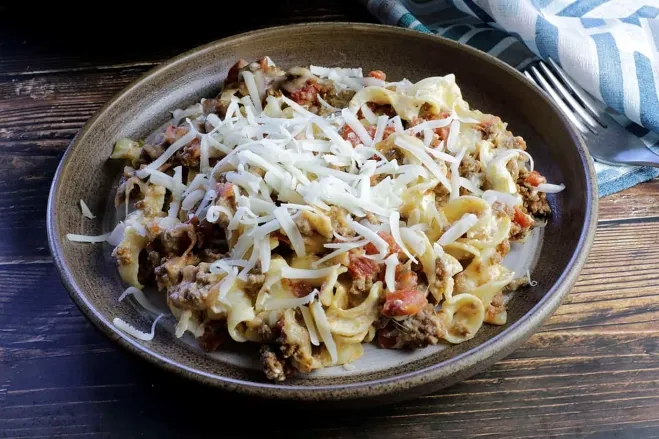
<point>381,375</point>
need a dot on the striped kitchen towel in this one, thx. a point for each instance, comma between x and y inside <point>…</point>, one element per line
<point>608,46</point>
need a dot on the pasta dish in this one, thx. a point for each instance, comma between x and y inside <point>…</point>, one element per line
<point>315,209</point>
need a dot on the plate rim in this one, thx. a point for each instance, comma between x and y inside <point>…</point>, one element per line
<point>465,364</point>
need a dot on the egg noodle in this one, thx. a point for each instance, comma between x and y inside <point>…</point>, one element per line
<point>316,209</point>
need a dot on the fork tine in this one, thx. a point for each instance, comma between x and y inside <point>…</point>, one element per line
<point>586,100</point>
<point>570,115</point>
<point>530,78</point>
<point>568,97</point>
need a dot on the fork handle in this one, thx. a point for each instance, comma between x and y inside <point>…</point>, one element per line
<point>633,157</point>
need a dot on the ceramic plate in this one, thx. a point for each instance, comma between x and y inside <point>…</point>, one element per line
<point>554,254</point>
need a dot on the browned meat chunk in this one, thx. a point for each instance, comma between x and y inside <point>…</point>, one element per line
<point>178,239</point>
<point>338,99</point>
<point>226,197</point>
<point>254,283</point>
<point>172,133</point>
<point>152,152</point>
<point>215,335</point>
<point>535,203</point>
<point>189,154</point>
<point>232,75</point>
<point>469,167</point>
<point>417,331</point>
<point>297,287</point>
<point>194,288</point>
<point>169,272</point>
<point>294,348</point>
<point>217,106</point>
<point>275,367</point>
<point>129,188</point>
<point>149,261</point>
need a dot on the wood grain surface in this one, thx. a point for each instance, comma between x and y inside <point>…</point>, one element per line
<point>592,371</point>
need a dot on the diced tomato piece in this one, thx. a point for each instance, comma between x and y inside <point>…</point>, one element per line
<point>535,178</point>
<point>307,94</point>
<point>404,303</point>
<point>299,288</point>
<point>172,134</point>
<point>523,219</point>
<point>361,266</point>
<point>388,132</point>
<point>393,247</point>
<point>377,74</point>
<point>443,132</point>
<point>225,190</point>
<point>486,124</point>
<point>348,134</point>
<point>406,279</point>
<point>387,339</point>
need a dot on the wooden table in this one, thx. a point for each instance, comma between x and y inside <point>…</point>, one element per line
<point>593,369</point>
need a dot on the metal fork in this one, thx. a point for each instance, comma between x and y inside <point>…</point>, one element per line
<point>607,140</point>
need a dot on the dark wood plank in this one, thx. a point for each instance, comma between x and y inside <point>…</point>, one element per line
<point>640,201</point>
<point>591,370</point>
<point>57,37</point>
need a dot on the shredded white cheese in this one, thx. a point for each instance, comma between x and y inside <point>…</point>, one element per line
<point>550,188</point>
<point>311,326</point>
<point>340,249</point>
<point>130,330</point>
<point>369,235</point>
<point>511,200</point>
<point>455,174</point>
<point>452,141</point>
<point>427,161</point>
<point>390,273</point>
<point>324,330</point>
<point>459,228</point>
<point>431,125</point>
<point>169,152</point>
<point>87,238</point>
<point>291,230</point>
<point>394,224</point>
<point>273,303</point>
<point>226,285</point>
<point>85,210</point>
<point>117,235</point>
<point>253,90</point>
<point>532,283</point>
<point>470,186</point>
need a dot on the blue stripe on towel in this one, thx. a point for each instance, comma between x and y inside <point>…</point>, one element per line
<point>546,38</point>
<point>580,7</point>
<point>592,22</point>
<point>610,69</point>
<point>644,12</point>
<point>648,90</point>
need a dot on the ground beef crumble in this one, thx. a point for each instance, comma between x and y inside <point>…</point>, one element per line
<point>420,330</point>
